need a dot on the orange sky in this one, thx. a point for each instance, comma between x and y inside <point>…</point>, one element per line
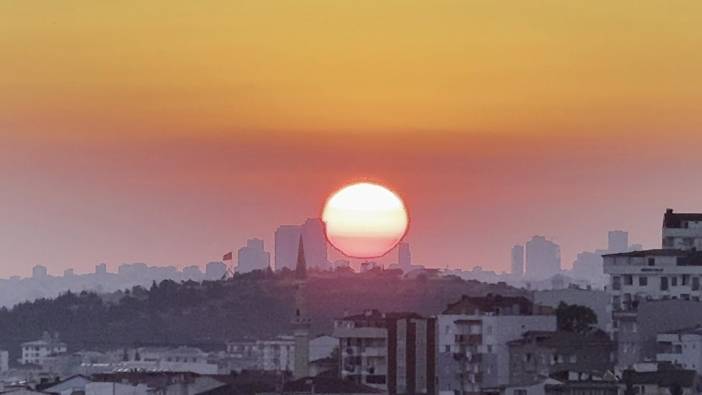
<point>169,132</point>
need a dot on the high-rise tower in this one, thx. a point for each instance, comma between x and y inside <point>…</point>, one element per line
<point>301,322</point>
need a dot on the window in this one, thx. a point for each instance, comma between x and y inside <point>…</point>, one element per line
<point>685,279</point>
<point>448,348</point>
<point>616,283</point>
<point>628,280</point>
<point>643,281</point>
<point>520,392</point>
<point>664,283</point>
<point>695,283</point>
<point>651,261</point>
<point>674,281</point>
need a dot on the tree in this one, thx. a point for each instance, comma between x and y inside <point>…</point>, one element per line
<point>575,318</point>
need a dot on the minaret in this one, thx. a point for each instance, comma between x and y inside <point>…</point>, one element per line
<point>301,323</point>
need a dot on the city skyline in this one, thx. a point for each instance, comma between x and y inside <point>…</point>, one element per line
<point>182,129</point>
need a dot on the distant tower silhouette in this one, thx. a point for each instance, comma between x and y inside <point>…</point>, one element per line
<point>301,322</point>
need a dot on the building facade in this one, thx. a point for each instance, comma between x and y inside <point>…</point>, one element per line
<point>647,275</point>
<point>682,348</point>
<point>542,354</point>
<point>394,352</point>
<point>36,352</point>
<point>682,231</point>
<point>473,336</point>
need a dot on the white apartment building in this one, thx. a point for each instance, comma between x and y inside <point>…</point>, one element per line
<point>682,348</point>
<point>647,275</point>
<point>35,352</point>
<point>276,354</point>
<point>472,337</point>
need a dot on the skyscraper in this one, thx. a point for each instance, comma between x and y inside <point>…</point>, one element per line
<point>252,257</point>
<point>518,261</point>
<point>315,243</point>
<point>543,258</point>
<point>39,271</point>
<point>618,241</point>
<point>287,239</point>
<point>404,256</point>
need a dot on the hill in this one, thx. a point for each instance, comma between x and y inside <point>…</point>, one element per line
<point>206,314</point>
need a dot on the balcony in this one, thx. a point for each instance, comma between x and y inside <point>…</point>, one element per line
<point>470,340</point>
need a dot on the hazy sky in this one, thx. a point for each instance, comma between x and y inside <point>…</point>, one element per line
<point>169,132</point>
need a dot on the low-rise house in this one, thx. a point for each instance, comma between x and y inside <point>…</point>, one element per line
<point>69,386</point>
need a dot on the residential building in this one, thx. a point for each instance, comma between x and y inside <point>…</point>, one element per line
<point>662,381</point>
<point>682,231</point>
<point>540,354</point>
<point>287,239</point>
<point>179,359</point>
<point>276,354</point>
<point>72,385</point>
<point>393,352</point>
<point>324,386</point>
<point>681,348</point>
<point>35,352</point>
<point>647,275</point>
<point>473,336</point>
<point>543,258</point>
<point>252,257</point>
<point>518,261</point>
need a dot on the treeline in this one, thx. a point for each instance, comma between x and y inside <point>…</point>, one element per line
<point>207,314</point>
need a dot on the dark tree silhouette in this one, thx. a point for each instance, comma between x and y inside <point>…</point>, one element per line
<point>575,318</point>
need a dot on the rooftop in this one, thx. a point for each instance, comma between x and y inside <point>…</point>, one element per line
<point>665,378</point>
<point>684,257</point>
<point>327,385</point>
<point>498,304</point>
<point>678,220</point>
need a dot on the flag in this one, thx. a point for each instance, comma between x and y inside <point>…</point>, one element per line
<point>227,256</point>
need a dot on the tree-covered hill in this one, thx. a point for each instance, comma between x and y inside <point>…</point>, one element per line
<point>255,305</point>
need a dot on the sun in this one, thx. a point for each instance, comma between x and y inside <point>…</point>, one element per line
<point>365,220</point>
